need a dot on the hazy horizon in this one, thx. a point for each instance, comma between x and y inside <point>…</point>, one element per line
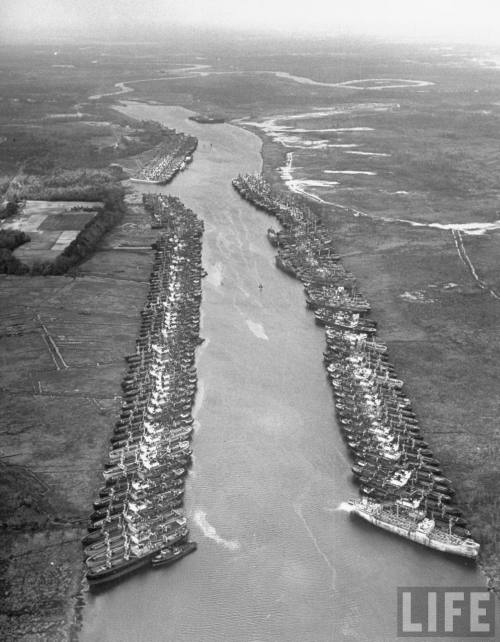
<point>408,20</point>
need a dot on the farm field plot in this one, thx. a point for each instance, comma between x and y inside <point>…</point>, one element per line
<point>51,225</point>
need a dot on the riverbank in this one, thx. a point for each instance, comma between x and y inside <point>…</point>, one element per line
<point>393,464</point>
<point>67,337</point>
<point>440,329</point>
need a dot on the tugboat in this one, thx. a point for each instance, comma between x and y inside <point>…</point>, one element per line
<point>415,526</point>
<point>171,554</point>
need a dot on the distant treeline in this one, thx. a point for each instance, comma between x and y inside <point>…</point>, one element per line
<point>84,184</point>
<point>70,143</point>
<point>79,249</point>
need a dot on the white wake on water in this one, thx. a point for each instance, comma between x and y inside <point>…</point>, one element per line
<point>200,519</point>
<point>368,153</point>
<point>345,507</point>
<point>349,171</point>
<point>257,330</point>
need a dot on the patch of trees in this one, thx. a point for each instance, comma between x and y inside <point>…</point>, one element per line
<point>9,210</point>
<point>9,240</point>
<point>10,264</point>
<point>66,185</point>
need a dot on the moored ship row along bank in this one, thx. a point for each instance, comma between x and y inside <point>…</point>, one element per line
<point>401,484</point>
<point>138,517</point>
<point>169,158</point>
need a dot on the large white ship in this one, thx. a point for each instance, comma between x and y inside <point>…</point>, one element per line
<point>415,526</point>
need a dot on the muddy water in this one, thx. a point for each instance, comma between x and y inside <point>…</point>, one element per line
<point>278,559</point>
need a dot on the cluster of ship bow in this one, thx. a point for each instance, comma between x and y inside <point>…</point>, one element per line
<point>401,484</point>
<point>138,517</point>
<point>170,157</point>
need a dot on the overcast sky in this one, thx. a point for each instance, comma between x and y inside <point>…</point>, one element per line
<point>460,20</point>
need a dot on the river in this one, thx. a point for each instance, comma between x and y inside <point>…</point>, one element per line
<point>277,559</point>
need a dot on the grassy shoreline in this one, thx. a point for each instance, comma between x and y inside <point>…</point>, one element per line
<point>58,418</point>
<point>442,351</point>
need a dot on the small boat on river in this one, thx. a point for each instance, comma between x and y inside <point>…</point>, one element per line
<point>172,554</point>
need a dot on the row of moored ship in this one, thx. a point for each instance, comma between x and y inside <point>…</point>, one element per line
<point>401,484</point>
<point>138,516</point>
<point>170,158</point>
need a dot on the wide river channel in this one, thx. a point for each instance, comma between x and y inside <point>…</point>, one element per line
<point>278,558</point>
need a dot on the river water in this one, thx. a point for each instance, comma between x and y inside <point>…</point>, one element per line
<point>278,559</point>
